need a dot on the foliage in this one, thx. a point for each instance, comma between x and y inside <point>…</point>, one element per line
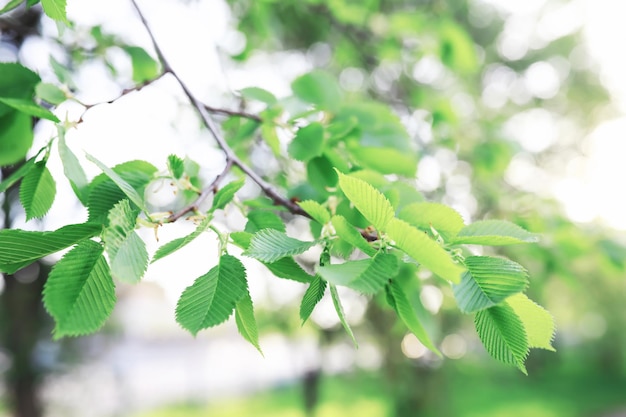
<point>367,219</point>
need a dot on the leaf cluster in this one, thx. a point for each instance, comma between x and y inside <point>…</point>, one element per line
<point>366,217</point>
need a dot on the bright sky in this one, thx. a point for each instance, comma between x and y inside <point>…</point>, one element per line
<point>598,189</point>
<point>592,188</point>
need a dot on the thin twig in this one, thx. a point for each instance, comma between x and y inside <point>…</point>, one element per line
<point>124,92</point>
<point>138,87</point>
<point>201,108</point>
<point>246,115</point>
<point>193,206</point>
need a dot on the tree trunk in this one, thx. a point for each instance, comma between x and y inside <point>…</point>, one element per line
<point>23,324</point>
<point>413,388</point>
<point>23,318</point>
<point>21,311</point>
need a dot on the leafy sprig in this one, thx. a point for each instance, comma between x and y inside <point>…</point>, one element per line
<point>370,229</point>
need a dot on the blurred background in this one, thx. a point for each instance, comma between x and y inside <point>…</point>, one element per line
<point>518,110</point>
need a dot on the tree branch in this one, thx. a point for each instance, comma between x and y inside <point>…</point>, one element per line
<point>124,92</point>
<point>246,115</point>
<point>203,195</point>
<point>203,111</point>
<point>138,87</point>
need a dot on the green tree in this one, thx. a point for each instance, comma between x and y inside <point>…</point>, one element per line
<point>351,166</point>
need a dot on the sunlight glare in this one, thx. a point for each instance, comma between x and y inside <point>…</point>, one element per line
<point>605,31</point>
<point>413,348</point>
<point>607,171</point>
<point>595,191</point>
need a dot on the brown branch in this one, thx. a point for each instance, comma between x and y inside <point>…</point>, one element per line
<point>226,112</point>
<point>138,87</point>
<point>203,111</point>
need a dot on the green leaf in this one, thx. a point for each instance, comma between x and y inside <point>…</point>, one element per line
<point>226,194</point>
<point>17,175</point>
<point>348,233</point>
<point>366,275</point>
<point>16,136</point>
<point>37,191</point>
<point>405,193</point>
<point>241,239</point>
<point>259,94</point>
<point>10,6</point>
<point>385,160</point>
<point>61,72</point>
<point>268,132</point>
<point>308,142</point>
<point>126,188</point>
<point>246,323</point>
<point>50,93</point>
<point>19,248</point>
<point>447,221</point>
<point>79,293</point>
<point>339,129</point>
<point>269,245</point>
<point>176,166</point>
<point>488,282</point>
<point>211,299</point>
<point>315,210</point>
<point>457,49</point>
<point>368,200</point>
<point>55,9</point>
<point>145,68</point>
<point>342,317</point>
<point>538,322</point>
<point>343,274</point>
<point>127,252</point>
<point>192,168</point>
<point>321,174</point>
<point>319,88</point>
<point>263,219</point>
<point>173,245</point>
<point>495,233</point>
<point>131,259</point>
<point>18,82</point>
<point>311,297</point>
<point>373,178</point>
<point>288,268</point>
<point>424,250</point>
<point>72,168</point>
<point>401,304</point>
<point>503,335</point>
<point>337,158</point>
<point>104,193</point>
<point>378,127</point>
<point>30,108</point>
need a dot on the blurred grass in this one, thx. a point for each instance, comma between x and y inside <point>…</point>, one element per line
<point>348,395</point>
<point>469,392</point>
<point>496,394</point>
